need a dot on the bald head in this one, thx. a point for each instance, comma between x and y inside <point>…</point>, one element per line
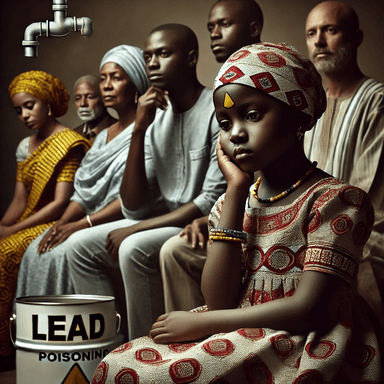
<point>333,36</point>
<point>343,12</point>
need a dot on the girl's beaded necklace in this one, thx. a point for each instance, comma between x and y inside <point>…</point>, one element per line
<point>287,191</point>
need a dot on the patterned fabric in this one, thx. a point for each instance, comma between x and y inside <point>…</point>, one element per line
<point>323,230</point>
<point>280,71</point>
<point>37,170</point>
<point>97,184</point>
<point>54,161</point>
<point>49,89</point>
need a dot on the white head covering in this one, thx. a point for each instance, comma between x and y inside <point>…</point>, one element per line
<point>132,61</point>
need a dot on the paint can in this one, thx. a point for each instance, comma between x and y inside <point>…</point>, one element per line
<point>62,339</point>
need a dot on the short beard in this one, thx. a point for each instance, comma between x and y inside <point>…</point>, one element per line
<point>336,61</point>
<point>93,114</point>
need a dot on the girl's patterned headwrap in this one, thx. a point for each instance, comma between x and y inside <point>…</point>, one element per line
<point>280,71</point>
<point>49,89</point>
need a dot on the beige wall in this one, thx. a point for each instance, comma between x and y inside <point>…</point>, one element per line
<point>128,22</point>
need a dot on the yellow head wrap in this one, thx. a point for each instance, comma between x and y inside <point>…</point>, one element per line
<point>49,89</point>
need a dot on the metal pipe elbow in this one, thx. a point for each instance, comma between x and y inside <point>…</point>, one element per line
<point>33,31</point>
<point>31,34</point>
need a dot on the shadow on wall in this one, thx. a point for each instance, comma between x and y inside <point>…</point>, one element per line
<point>129,22</point>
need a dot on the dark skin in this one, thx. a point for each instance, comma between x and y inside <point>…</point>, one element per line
<point>231,27</point>
<point>166,62</point>
<point>196,233</point>
<point>37,116</point>
<point>118,92</point>
<point>73,220</point>
<point>255,117</point>
<point>87,95</point>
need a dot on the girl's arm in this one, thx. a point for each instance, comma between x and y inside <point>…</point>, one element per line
<point>221,279</point>
<point>50,212</point>
<point>75,219</point>
<point>305,311</point>
<point>17,206</point>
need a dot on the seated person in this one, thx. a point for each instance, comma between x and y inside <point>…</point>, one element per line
<point>171,177</point>
<point>231,25</point>
<point>348,141</point>
<point>295,316</point>
<point>90,108</point>
<point>95,201</point>
<point>46,165</point>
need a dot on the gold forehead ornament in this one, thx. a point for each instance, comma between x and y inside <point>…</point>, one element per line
<point>228,102</point>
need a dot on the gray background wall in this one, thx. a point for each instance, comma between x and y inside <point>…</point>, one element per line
<point>129,22</point>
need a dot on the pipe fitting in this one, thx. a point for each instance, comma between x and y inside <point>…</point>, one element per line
<point>61,26</point>
<point>30,42</point>
<point>85,25</point>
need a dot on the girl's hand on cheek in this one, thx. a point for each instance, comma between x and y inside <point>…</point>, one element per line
<point>178,326</point>
<point>233,175</point>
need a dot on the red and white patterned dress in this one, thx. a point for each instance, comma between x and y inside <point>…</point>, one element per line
<point>324,230</point>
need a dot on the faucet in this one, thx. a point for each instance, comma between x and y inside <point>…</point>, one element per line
<point>59,27</point>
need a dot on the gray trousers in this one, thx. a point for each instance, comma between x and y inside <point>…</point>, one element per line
<point>92,271</point>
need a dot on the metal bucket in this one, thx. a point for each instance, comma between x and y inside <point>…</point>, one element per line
<point>62,339</point>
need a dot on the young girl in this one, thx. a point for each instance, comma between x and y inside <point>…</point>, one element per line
<point>295,315</point>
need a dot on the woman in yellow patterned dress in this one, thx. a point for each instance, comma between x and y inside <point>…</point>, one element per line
<point>46,166</point>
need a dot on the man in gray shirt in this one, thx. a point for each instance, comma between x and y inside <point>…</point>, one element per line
<point>171,178</point>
